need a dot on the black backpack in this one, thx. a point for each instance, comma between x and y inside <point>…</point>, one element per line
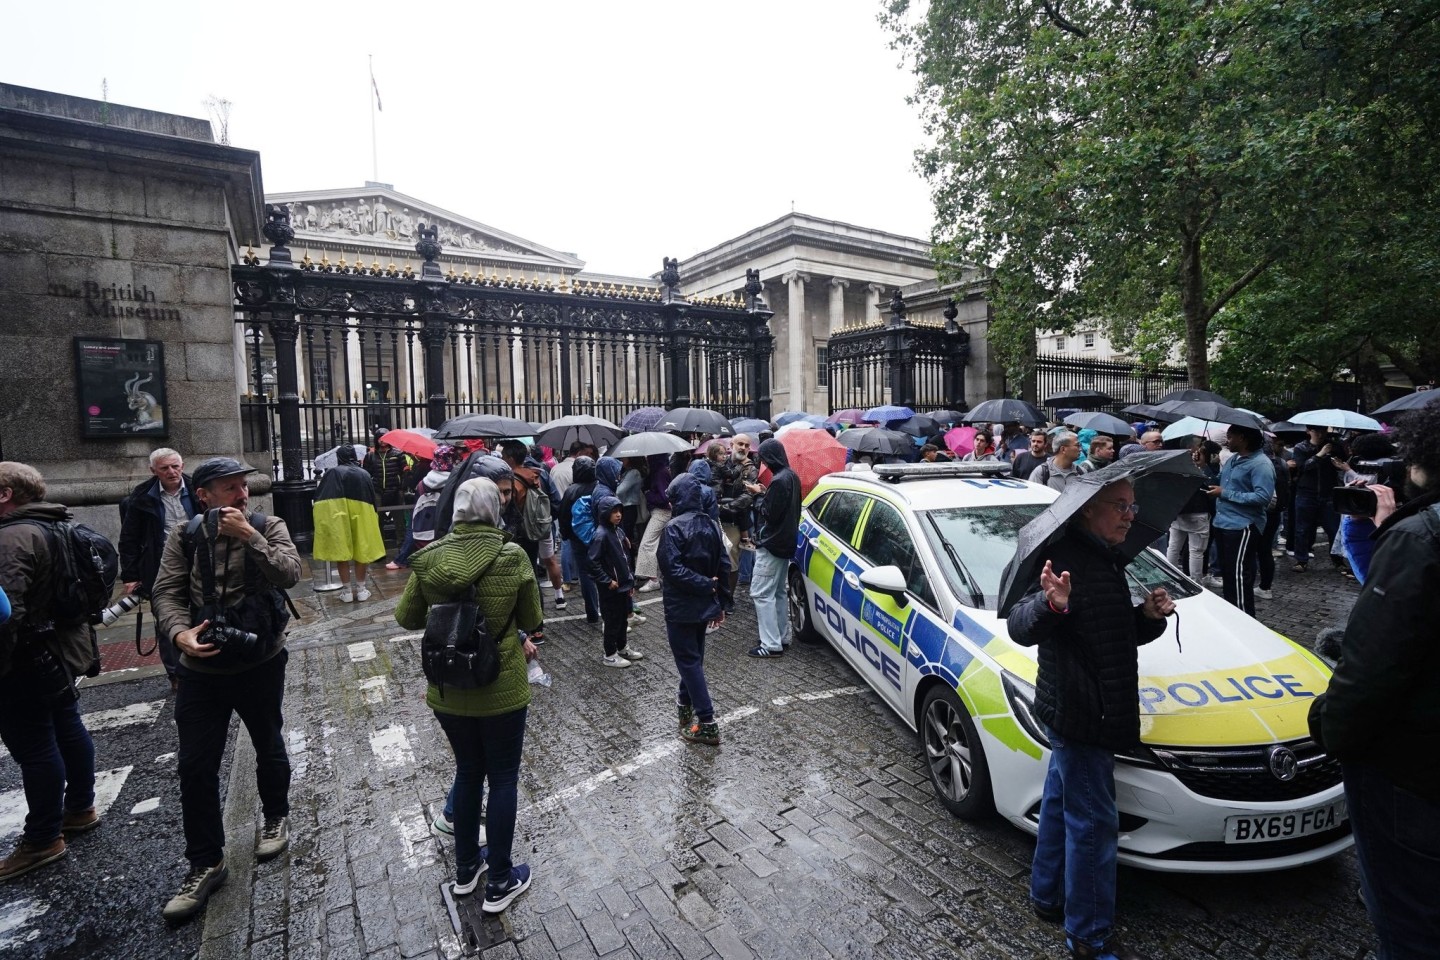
<point>458,649</point>
<point>86,568</point>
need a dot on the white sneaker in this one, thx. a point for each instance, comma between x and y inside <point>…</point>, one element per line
<point>346,595</point>
<point>650,586</point>
<point>631,654</point>
<point>362,594</point>
<point>1264,594</point>
<point>615,660</point>
<point>638,617</point>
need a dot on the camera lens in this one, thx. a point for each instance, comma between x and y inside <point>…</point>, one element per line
<point>119,608</point>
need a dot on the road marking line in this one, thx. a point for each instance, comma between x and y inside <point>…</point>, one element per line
<point>373,689</point>
<point>14,916</point>
<point>145,806</point>
<point>13,807</point>
<point>392,747</point>
<point>362,651</point>
<point>821,695</point>
<point>120,717</point>
<point>645,758</point>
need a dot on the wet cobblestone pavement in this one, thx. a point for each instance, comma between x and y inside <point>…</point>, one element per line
<point>811,832</point>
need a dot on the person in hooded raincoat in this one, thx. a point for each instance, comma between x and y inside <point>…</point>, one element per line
<point>347,523</point>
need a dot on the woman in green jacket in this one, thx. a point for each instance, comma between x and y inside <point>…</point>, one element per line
<point>485,726</point>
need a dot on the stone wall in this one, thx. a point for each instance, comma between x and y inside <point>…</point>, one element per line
<point>117,223</point>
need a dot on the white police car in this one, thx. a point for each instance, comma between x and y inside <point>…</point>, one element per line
<point>899,569</point>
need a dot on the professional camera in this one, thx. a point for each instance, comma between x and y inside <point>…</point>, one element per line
<point>1361,501</point>
<point>119,608</point>
<point>222,635</point>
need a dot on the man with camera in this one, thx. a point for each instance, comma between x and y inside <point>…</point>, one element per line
<point>151,511</point>
<point>1381,714</point>
<point>39,712</point>
<point>219,596</point>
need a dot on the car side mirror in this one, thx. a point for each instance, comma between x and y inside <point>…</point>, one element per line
<point>887,580</point>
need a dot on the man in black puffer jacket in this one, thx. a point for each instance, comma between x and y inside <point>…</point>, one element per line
<point>1087,628</point>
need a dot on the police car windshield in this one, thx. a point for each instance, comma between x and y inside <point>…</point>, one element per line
<point>983,539</point>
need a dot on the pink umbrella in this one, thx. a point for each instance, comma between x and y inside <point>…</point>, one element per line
<point>720,441</point>
<point>961,440</point>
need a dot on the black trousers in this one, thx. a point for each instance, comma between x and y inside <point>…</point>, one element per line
<point>615,611</point>
<point>1239,565</point>
<point>202,714</point>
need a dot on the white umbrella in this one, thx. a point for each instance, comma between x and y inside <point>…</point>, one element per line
<point>794,425</point>
<point>328,461</point>
<point>1195,427</point>
<point>1336,420</point>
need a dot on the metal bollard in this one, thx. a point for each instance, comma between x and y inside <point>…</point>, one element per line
<point>324,575</point>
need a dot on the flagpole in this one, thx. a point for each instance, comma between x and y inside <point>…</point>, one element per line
<point>374,152</point>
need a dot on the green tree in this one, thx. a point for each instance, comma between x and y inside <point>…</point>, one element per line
<point>1148,163</point>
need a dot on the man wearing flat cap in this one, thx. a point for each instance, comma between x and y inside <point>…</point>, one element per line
<point>219,597</point>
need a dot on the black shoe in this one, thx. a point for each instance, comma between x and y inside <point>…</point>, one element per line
<point>592,619</point>
<point>1113,950</point>
<point>1049,914</point>
<point>762,652</point>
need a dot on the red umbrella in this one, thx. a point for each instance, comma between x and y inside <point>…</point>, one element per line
<point>415,444</point>
<point>812,455</point>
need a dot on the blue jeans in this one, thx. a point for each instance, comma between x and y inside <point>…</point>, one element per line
<point>54,752</point>
<point>406,548</point>
<point>568,567</point>
<point>772,609</point>
<point>1397,840</point>
<point>487,750</point>
<point>202,717</point>
<point>687,646</point>
<point>747,565</point>
<point>1078,838</point>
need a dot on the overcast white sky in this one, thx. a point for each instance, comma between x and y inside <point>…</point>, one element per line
<point>622,132</point>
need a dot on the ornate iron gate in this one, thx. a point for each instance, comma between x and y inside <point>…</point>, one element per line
<point>903,363</point>
<point>334,350</point>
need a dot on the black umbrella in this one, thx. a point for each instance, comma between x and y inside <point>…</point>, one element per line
<point>948,417</point>
<point>1148,411</point>
<point>1079,398</point>
<point>596,431</point>
<point>474,426</point>
<point>695,420</point>
<point>1163,480</point>
<point>1213,412</point>
<point>878,440</point>
<point>1285,428</point>
<point>649,444</point>
<point>1100,423</point>
<point>1192,393</point>
<point>1005,410</point>
<point>919,426</point>
<point>1412,401</point>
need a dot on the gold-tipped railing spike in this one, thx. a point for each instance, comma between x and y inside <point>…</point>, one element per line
<point>391,271</point>
<point>465,275</point>
<point>324,261</point>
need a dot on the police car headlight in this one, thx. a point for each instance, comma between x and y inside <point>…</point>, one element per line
<point>1021,696</point>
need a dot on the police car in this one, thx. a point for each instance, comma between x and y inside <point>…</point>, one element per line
<point>899,569</point>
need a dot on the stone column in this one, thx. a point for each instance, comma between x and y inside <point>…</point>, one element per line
<point>799,345</point>
<point>873,293</point>
<point>837,304</point>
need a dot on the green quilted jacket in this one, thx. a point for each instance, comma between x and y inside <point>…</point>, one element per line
<point>450,569</point>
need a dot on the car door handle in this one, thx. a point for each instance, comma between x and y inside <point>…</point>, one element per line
<point>852,579</point>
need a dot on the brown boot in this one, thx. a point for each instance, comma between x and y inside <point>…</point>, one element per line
<point>79,821</point>
<point>28,856</point>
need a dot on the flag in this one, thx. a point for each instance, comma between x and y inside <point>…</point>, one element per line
<point>376,87</point>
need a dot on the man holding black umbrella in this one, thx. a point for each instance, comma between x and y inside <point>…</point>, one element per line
<point>1081,617</point>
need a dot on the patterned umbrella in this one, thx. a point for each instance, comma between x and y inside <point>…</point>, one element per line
<point>812,455</point>
<point>851,417</point>
<point>643,419</point>
<point>885,414</point>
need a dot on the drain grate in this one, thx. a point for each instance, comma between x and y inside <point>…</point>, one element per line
<point>477,930</point>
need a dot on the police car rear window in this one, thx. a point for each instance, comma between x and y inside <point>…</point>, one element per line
<point>840,513</point>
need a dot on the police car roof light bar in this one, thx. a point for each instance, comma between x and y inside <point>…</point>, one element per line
<point>896,472</point>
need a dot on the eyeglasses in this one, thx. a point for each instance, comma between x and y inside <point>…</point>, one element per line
<point>1133,509</point>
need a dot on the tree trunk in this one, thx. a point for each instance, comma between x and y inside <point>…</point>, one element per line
<point>1197,320</point>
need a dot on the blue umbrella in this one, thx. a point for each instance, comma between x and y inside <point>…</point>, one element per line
<point>888,413</point>
<point>750,425</point>
<point>643,419</point>
<point>1336,420</point>
<point>790,416</point>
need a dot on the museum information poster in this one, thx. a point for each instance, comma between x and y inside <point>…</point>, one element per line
<point>121,387</point>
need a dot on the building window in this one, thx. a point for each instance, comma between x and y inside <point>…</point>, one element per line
<point>1059,343</point>
<point>1089,341</point>
<point>822,366</point>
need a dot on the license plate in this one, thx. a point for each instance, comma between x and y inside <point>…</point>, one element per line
<point>1283,826</point>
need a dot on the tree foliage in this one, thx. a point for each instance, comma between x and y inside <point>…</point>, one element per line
<point>1189,172</point>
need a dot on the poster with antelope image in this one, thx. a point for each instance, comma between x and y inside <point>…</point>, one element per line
<point>120,387</point>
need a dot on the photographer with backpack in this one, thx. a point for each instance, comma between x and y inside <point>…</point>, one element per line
<point>220,598</point>
<point>40,655</point>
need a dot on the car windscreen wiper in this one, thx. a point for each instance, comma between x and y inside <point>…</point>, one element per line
<point>976,597</point>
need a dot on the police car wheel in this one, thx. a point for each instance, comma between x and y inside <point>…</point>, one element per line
<point>954,756</point>
<point>801,628</point>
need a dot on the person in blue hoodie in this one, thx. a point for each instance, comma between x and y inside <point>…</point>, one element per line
<point>696,572</point>
<point>1247,482</point>
<point>610,568</point>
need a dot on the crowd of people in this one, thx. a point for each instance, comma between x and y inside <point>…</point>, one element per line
<point>499,524</point>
